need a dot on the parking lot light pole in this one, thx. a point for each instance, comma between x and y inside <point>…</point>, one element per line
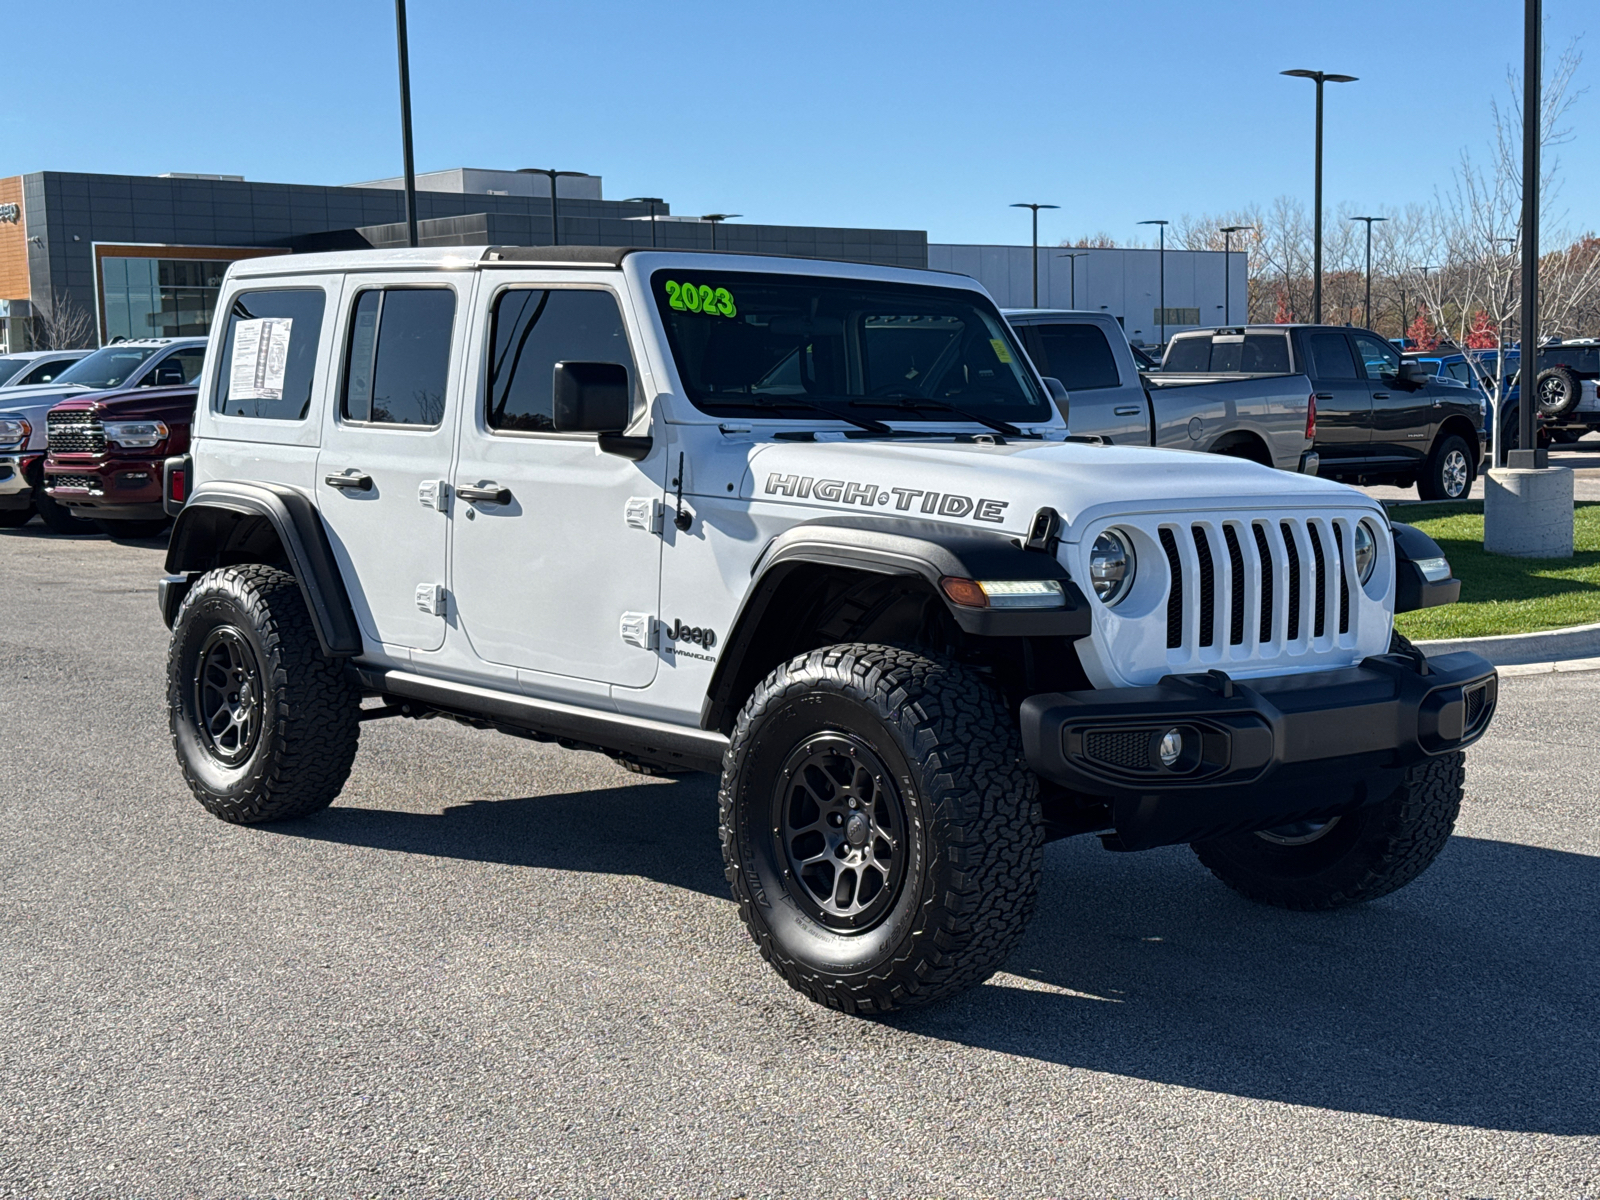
<point>1227,263</point>
<point>555,212</point>
<point>1073,267</point>
<point>652,201</point>
<point>1036,208</point>
<point>1320,78</point>
<point>1163,296</point>
<point>716,219</point>
<point>409,166</point>
<point>1369,221</point>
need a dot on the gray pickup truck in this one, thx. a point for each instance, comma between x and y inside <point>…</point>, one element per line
<point>1262,415</point>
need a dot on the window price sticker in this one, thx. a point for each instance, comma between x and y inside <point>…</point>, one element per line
<point>260,358</point>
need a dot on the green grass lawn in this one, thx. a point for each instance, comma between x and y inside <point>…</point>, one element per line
<point>1505,595</point>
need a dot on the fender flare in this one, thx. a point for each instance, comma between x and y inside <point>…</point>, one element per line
<point>1411,589</point>
<point>928,550</point>
<point>215,509</point>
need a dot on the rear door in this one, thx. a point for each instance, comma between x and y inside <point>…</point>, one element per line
<point>386,450</point>
<point>1100,399</point>
<point>1344,399</point>
<point>1402,415</point>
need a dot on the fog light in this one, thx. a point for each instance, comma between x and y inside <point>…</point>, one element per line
<point>1171,748</point>
<point>1434,569</point>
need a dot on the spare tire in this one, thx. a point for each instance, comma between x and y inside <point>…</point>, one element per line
<point>1558,391</point>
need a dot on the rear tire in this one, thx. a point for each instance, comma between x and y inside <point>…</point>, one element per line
<point>1448,475</point>
<point>264,725</point>
<point>880,829</point>
<point>1349,859</point>
<point>131,531</point>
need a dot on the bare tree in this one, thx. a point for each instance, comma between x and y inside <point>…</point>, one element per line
<point>1097,241</point>
<point>61,324</point>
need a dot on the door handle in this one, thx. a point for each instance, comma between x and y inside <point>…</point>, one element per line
<point>1131,410</point>
<point>489,493</point>
<point>1380,395</point>
<point>350,480</point>
<point>1324,395</point>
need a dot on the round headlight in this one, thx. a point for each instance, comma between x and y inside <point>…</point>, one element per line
<point>1366,551</point>
<point>1111,567</point>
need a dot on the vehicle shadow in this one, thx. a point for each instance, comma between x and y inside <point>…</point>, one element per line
<point>1468,998</point>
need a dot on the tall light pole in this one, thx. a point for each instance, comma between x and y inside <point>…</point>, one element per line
<point>716,219</point>
<point>1073,267</point>
<point>555,211</point>
<point>1532,65</point>
<point>1227,263</point>
<point>652,201</point>
<point>1163,298</point>
<point>1369,221</point>
<point>1036,208</point>
<point>1320,77</point>
<point>405,122</point>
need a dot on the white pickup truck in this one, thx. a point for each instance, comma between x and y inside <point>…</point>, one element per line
<point>817,527</point>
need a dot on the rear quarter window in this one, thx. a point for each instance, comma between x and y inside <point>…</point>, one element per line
<point>1079,356</point>
<point>277,366</point>
<point>1188,354</point>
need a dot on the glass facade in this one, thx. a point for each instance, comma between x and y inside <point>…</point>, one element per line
<point>160,297</point>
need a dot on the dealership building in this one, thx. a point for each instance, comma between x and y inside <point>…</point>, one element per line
<point>144,256</point>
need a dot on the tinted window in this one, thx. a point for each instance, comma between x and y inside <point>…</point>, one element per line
<point>1583,360</point>
<point>178,368</point>
<point>45,371</point>
<point>1265,353</point>
<point>1330,356</point>
<point>1188,354</point>
<point>1377,356</point>
<point>108,367</point>
<point>1227,353</point>
<point>274,397</point>
<point>1078,355</point>
<point>399,362</point>
<point>1460,372</point>
<point>533,330</point>
<point>12,367</point>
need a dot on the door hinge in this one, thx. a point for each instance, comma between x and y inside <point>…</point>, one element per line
<point>431,598</point>
<point>434,493</point>
<point>639,629</point>
<point>644,513</point>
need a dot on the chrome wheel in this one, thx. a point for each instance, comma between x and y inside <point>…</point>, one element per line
<point>227,696</point>
<point>1455,474</point>
<point>841,825</point>
<point>1297,833</point>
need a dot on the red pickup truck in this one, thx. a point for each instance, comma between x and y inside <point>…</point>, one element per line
<point>106,452</point>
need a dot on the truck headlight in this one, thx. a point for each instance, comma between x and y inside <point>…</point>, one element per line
<point>135,435</point>
<point>1366,547</point>
<point>14,433</point>
<point>1111,567</point>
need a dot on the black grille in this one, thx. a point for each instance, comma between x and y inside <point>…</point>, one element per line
<point>1344,581</point>
<point>1480,704</point>
<point>74,481</point>
<point>1128,749</point>
<point>1267,581</point>
<point>1175,597</point>
<point>74,433</point>
<point>1319,623</point>
<point>1236,603</point>
<point>1208,597</point>
<point>1294,580</point>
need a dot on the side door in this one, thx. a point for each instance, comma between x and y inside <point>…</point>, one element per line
<point>1344,400</point>
<point>555,556</point>
<point>386,450</point>
<point>1100,400</point>
<point>1402,415</point>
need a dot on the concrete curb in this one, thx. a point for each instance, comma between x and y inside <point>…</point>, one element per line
<point>1547,650</point>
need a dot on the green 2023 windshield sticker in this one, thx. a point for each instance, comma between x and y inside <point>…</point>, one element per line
<point>702,298</point>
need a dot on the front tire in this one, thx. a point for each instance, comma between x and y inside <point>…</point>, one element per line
<point>1448,475</point>
<point>1349,859</point>
<point>880,829</point>
<point>58,518</point>
<point>264,725</point>
<point>15,518</point>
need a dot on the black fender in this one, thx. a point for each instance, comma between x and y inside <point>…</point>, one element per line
<point>216,522</point>
<point>1411,589</point>
<point>929,550</point>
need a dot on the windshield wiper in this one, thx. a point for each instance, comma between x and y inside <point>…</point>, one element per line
<point>866,423</point>
<point>912,405</point>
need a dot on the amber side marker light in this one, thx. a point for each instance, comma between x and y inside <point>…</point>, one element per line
<point>1004,593</point>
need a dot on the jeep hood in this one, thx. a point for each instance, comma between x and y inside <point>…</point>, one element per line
<point>1001,487</point>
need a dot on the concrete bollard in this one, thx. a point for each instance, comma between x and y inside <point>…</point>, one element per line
<point>1528,513</point>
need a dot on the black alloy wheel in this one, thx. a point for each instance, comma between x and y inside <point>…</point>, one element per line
<point>227,696</point>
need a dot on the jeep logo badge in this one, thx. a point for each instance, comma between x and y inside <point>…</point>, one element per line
<point>704,638</point>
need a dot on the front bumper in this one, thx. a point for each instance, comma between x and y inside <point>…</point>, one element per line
<point>111,487</point>
<point>1256,754</point>
<point>15,490</point>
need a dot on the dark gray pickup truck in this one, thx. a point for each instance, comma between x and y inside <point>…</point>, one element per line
<point>1378,419</point>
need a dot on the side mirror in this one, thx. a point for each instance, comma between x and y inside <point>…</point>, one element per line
<point>590,397</point>
<point>1058,393</point>
<point>1415,373</point>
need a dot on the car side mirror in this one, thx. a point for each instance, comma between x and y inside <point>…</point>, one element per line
<point>1058,393</point>
<point>590,397</point>
<point>1415,373</point>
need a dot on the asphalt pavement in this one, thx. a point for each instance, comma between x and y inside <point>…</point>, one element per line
<point>501,969</point>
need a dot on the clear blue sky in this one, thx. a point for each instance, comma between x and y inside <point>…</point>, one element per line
<point>925,115</point>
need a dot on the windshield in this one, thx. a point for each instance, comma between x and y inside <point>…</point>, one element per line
<point>107,368</point>
<point>751,344</point>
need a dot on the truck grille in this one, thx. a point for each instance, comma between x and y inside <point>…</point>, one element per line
<point>87,482</point>
<point>73,432</point>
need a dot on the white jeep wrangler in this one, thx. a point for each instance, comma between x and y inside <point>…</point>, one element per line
<point>816,526</point>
